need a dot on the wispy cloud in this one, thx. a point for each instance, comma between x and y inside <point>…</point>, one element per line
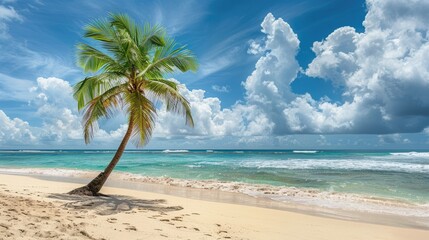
<point>21,57</point>
<point>223,89</point>
<point>178,17</point>
<point>215,64</point>
<point>14,88</point>
<point>224,54</point>
<point>7,15</point>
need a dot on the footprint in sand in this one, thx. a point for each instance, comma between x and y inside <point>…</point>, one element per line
<point>131,228</point>
<point>179,219</point>
<point>4,226</point>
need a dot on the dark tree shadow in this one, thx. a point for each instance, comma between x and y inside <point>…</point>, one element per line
<point>107,205</point>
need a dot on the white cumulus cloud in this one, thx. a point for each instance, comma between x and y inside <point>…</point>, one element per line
<point>383,72</point>
<point>15,131</point>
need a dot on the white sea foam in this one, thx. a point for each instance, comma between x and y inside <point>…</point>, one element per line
<point>29,151</point>
<point>33,151</point>
<point>312,197</point>
<point>99,151</point>
<point>57,172</point>
<point>411,154</point>
<point>175,151</point>
<point>305,151</point>
<point>193,166</point>
<point>338,164</point>
<point>307,196</point>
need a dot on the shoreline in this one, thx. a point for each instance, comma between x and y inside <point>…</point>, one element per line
<point>215,195</point>
<point>29,201</point>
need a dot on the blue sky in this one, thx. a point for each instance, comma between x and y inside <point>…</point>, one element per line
<point>273,74</point>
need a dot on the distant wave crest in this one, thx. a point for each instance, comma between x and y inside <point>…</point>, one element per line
<point>338,164</point>
<point>30,151</point>
<point>411,154</point>
<point>305,151</point>
<point>175,151</point>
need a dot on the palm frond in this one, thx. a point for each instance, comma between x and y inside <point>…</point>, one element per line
<point>91,87</point>
<point>167,91</point>
<point>129,35</point>
<point>110,38</point>
<point>91,59</point>
<point>143,114</point>
<point>101,106</point>
<point>169,58</point>
<point>153,35</point>
<point>99,30</point>
<point>123,22</point>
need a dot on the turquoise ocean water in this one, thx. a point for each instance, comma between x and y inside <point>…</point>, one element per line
<point>385,175</point>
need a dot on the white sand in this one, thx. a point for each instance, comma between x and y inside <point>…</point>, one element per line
<point>31,208</point>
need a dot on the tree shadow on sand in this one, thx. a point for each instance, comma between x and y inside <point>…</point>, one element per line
<point>108,205</point>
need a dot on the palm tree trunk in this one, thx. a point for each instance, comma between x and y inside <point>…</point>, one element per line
<point>93,187</point>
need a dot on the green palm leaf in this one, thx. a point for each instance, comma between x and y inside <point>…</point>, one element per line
<point>167,91</point>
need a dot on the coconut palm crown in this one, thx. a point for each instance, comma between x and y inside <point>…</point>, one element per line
<point>128,75</point>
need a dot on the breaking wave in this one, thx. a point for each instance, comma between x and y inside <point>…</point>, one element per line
<point>305,151</point>
<point>175,151</point>
<point>296,164</point>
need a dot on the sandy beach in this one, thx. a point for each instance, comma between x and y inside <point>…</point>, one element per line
<point>31,208</point>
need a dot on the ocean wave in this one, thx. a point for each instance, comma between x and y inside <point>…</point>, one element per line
<point>193,166</point>
<point>296,164</point>
<point>30,151</point>
<point>175,151</point>
<point>36,151</point>
<point>411,154</point>
<point>306,196</point>
<point>305,151</point>
<point>56,172</point>
<point>99,151</point>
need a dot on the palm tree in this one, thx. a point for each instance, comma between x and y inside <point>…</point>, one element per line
<point>128,75</point>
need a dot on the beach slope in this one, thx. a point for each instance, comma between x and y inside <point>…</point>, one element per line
<point>31,208</point>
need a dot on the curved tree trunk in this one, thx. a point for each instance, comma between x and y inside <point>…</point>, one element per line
<point>93,187</point>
